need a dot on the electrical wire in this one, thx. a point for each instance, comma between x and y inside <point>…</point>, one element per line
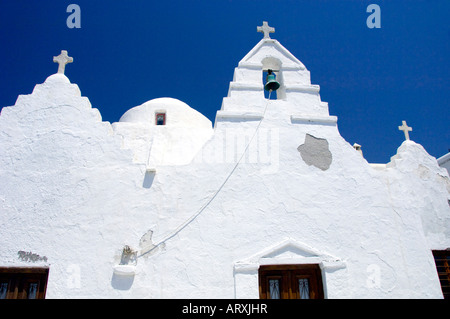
<point>193,217</point>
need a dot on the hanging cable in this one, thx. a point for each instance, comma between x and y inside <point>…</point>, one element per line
<point>193,217</point>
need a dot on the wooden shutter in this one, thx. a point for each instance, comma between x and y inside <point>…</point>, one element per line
<point>23,283</point>
<point>442,259</point>
<point>290,279</point>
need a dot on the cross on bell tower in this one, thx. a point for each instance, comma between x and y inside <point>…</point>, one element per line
<point>266,30</point>
<point>405,128</point>
<point>62,60</point>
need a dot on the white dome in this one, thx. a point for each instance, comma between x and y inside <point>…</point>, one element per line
<point>178,114</point>
<point>57,77</point>
<point>175,143</point>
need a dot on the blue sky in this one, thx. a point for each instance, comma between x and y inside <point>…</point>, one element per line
<point>129,52</point>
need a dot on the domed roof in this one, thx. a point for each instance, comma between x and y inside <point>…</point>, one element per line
<point>178,114</point>
<point>58,77</point>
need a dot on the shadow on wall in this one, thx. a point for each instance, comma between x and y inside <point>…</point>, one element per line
<point>148,179</point>
<point>122,282</point>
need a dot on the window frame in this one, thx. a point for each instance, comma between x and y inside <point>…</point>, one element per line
<point>289,276</point>
<point>157,114</point>
<point>442,262</point>
<point>20,279</point>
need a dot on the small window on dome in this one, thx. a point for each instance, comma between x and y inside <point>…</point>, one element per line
<point>160,118</point>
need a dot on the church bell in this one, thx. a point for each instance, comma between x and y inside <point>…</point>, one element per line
<point>271,83</point>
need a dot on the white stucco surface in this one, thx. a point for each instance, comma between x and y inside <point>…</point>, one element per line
<point>220,203</point>
<point>444,161</point>
<point>175,143</point>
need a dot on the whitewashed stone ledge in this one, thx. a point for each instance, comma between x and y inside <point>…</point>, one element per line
<point>328,265</point>
<point>150,169</point>
<point>303,88</point>
<point>239,115</point>
<point>378,166</point>
<point>125,270</point>
<point>246,86</point>
<point>303,118</point>
<point>259,87</point>
<point>259,66</point>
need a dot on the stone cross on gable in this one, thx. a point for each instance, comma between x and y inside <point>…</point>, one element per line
<point>405,128</point>
<point>266,30</point>
<point>62,60</point>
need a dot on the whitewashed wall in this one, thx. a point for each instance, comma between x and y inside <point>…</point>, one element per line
<point>69,192</point>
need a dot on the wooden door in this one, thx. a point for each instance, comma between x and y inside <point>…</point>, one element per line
<point>290,282</point>
<point>23,283</point>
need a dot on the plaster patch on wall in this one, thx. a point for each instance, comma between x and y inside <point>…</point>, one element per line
<point>30,257</point>
<point>315,152</point>
<point>147,246</point>
<point>146,242</point>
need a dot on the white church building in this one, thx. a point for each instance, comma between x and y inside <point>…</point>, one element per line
<point>269,201</point>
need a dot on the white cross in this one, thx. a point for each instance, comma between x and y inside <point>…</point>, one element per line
<point>405,129</point>
<point>266,30</point>
<point>62,60</point>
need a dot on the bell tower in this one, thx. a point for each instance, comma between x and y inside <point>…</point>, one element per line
<point>295,94</point>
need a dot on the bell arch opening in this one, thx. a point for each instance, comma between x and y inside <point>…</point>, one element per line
<point>274,65</point>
